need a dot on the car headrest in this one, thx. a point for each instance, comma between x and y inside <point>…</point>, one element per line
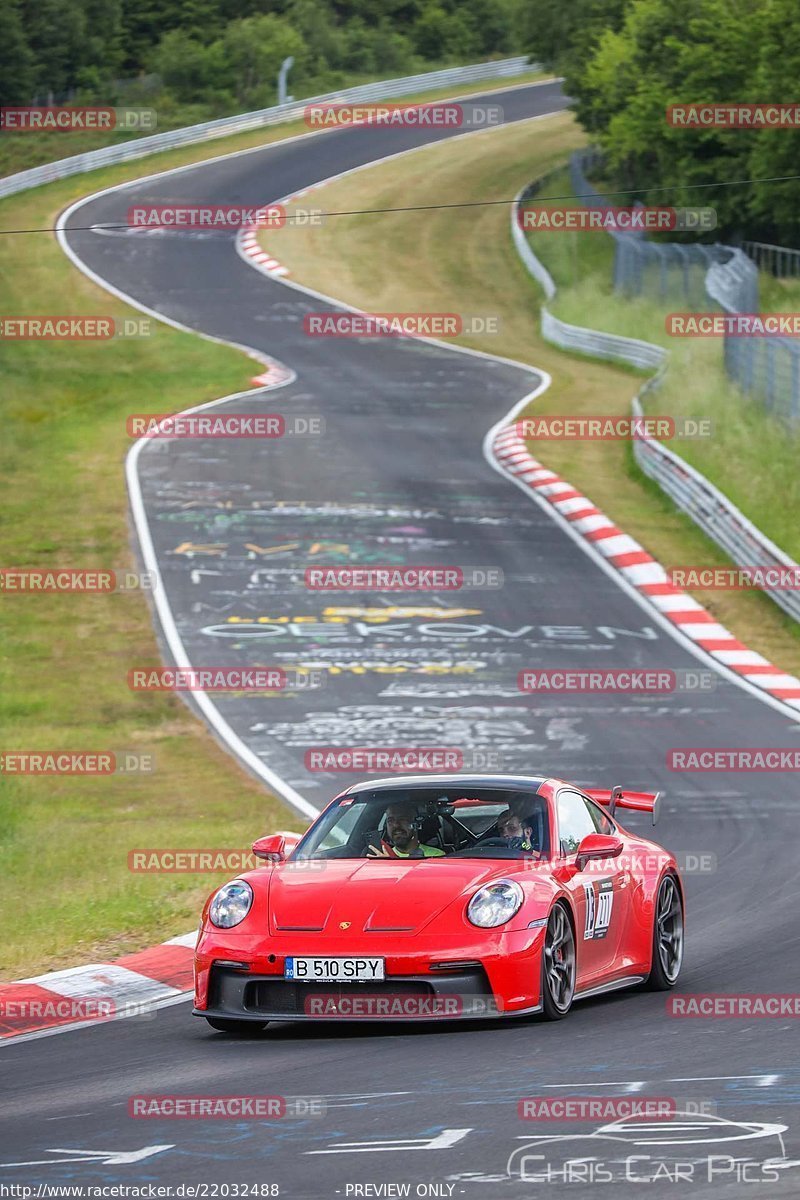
<point>430,828</point>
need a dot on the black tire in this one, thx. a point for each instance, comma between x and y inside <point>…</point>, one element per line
<point>558,965</point>
<point>224,1025</point>
<point>667,937</point>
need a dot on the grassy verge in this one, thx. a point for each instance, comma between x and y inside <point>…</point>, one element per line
<point>21,150</point>
<point>64,658</point>
<point>778,295</point>
<point>463,260</point>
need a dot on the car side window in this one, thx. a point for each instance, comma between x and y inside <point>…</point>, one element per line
<point>602,823</point>
<point>575,821</point>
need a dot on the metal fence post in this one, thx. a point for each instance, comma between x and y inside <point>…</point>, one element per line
<point>286,67</point>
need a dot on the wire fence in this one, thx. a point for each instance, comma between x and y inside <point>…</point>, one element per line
<point>707,278</point>
<point>780,261</point>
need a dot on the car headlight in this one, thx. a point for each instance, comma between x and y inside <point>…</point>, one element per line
<point>231,904</point>
<point>495,904</point>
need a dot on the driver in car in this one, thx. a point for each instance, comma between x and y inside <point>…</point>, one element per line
<point>518,836</point>
<point>403,841</point>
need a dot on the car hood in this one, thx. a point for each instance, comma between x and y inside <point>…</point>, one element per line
<point>389,895</point>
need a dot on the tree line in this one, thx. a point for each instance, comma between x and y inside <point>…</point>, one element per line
<point>626,61</point>
<point>224,55</point>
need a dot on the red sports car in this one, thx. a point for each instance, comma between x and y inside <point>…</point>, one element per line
<point>443,896</point>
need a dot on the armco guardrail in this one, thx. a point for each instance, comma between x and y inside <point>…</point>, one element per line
<point>695,495</point>
<point>713,512</point>
<point>385,89</point>
<point>600,345</point>
<point>610,346</point>
<point>537,269</point>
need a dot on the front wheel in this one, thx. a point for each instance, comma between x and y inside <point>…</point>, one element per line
<point>558,966</point>
<point>223,1025</point>
<point>667,937</point>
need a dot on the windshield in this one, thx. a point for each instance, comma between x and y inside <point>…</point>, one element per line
<point>392,823</point>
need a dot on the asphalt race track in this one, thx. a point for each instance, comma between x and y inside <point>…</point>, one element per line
<point>399,477</point>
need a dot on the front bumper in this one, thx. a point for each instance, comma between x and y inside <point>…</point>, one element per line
<point>484,982</point>
<point>463,996</point>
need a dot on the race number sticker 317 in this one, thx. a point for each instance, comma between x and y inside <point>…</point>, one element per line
<point>598,909</point>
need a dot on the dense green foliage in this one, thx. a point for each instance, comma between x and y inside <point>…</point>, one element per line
<point>224,55</point>
<point>626,60</point>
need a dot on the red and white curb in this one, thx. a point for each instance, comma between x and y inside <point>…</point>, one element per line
<point>127,986</point>
<point>275,375</point>
<point>641,570</point>
<point>249,246</point>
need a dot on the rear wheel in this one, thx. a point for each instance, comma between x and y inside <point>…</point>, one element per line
<point>558,966</point>
<point>223,1025</point>
<point>667,937</point>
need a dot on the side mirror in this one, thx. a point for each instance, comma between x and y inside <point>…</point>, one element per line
<point>597,845</point>
<point>271,848</point>
<point>276,846</point>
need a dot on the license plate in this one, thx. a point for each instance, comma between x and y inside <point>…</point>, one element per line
<point>334,970</point>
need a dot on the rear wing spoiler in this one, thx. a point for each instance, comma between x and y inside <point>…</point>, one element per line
<point>618,797</point>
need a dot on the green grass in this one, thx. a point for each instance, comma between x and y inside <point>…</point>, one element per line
<point>570,256</point>
<point>778,295</point>
<point>64,658</point>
